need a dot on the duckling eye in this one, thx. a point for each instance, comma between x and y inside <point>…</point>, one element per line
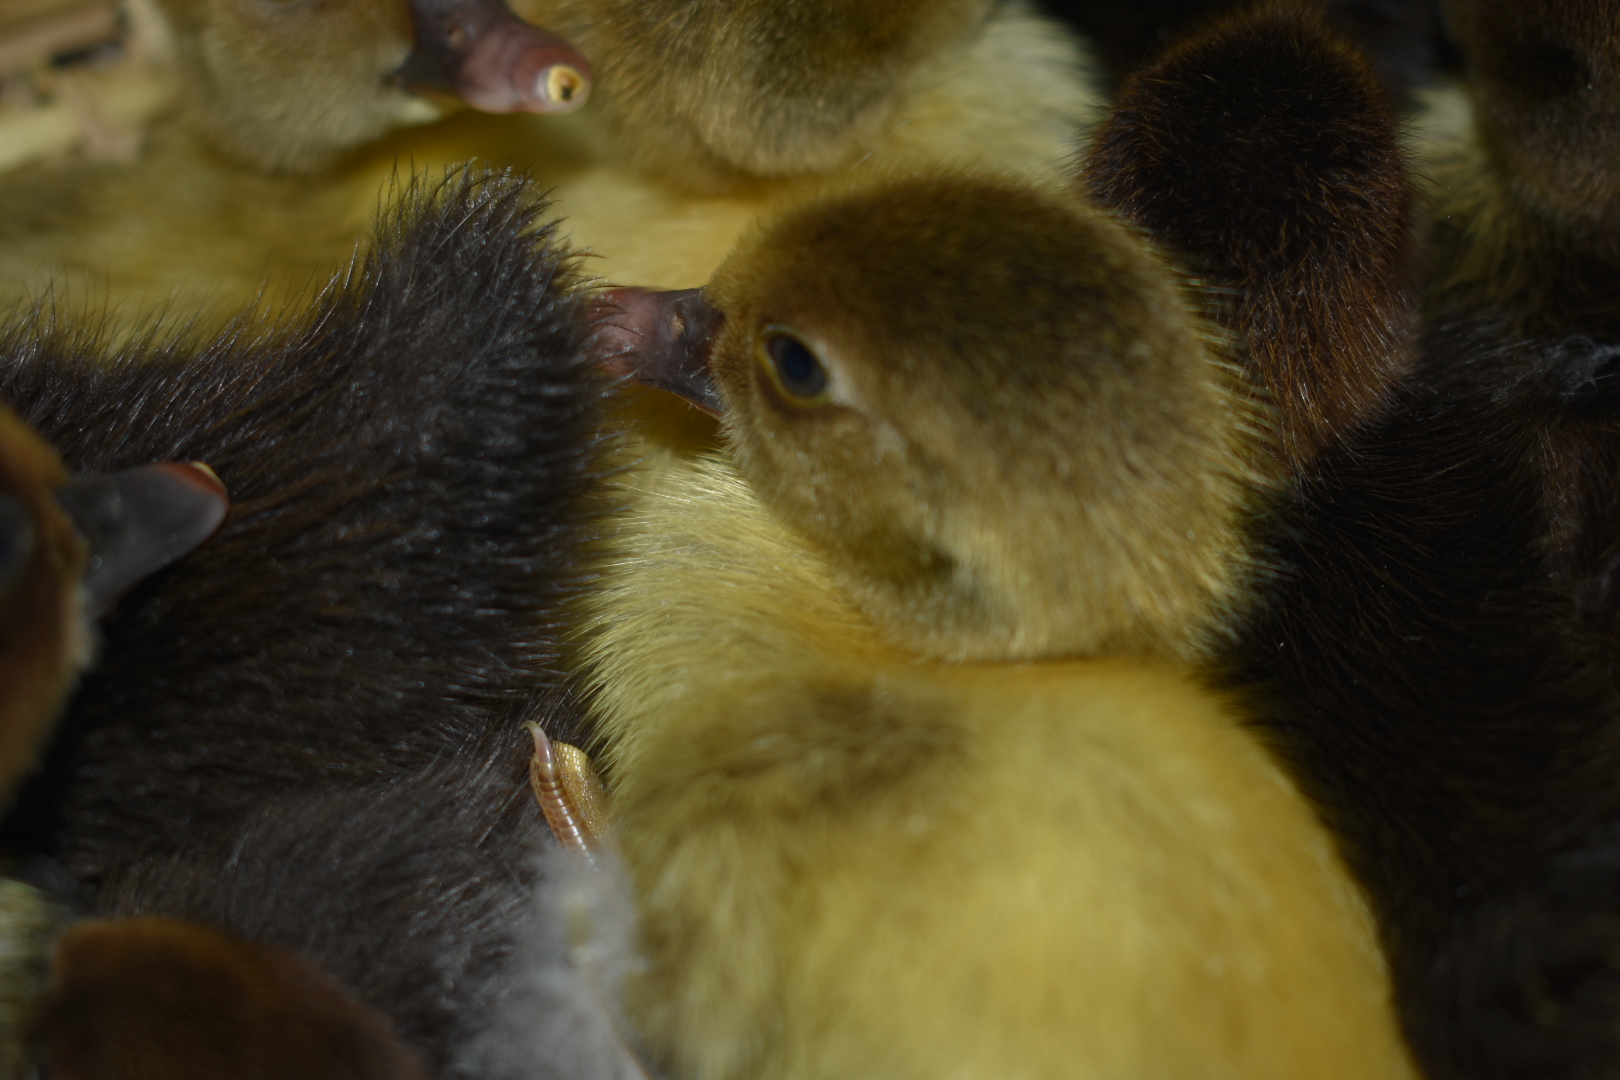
<point>797,368</point>
<point>16,540</point>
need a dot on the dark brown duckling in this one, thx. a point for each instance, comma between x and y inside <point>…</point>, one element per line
<point>69,548</point>
<point>1524,256</point>
<point>136,998</point>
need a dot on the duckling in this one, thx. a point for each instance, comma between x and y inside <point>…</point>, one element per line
<point>1431,688</point>
<point>1526,219</point>
<point>1232,184</point>
<point>413,467</point>
<point>250,1011</point>
<point>242,192</point>
<point>68,549</point>
<point>1406,39</point>
<point>291,86</point>
<point>911,770</point>
<point>1524,252</point>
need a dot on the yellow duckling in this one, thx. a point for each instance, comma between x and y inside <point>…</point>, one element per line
<point>709,94</point>
<point>289,87</point>
<point>237,196</point>
<point>910,773</point>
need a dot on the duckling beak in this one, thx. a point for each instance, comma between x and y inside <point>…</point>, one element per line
<point>138,521</point>
<point>495,62</point>
<point>662,339</point>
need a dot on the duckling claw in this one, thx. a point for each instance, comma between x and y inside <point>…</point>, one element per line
<point>570,795</point>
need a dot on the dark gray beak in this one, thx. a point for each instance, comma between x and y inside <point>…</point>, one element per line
<point>662,339</point>
<point>138,521</point>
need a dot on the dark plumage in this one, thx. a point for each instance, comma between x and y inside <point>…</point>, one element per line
<point>1413,660</point>
<point>1428,682</point>
<point>1405,38</point>
<point>1524,251</point>
<point>411,469</point>
<point>246,1011</point>
<point>428,892</point>
<point>68,549</point>
<point>1280,180</point>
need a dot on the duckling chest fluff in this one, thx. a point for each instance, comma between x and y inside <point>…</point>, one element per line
<point>853,863</point>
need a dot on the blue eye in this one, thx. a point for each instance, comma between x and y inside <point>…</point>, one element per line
<point>16,540</point>
<point>797,368</point>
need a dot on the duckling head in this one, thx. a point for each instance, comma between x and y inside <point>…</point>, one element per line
<point>287,85</point>
<point>69,547</point>
<point>995,410</point>
<point>1545,81</point>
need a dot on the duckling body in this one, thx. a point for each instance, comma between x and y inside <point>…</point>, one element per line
<point>412,468</point>
<point>851,861</point>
